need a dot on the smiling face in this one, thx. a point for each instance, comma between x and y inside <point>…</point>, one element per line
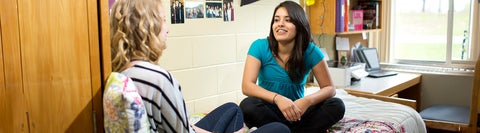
<point>283,28</point>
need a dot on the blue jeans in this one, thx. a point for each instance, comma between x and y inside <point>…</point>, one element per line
<point>228,118</point>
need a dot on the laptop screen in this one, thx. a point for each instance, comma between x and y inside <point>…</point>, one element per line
<point>371,58</point>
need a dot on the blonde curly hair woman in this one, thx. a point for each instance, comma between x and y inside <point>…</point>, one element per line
<point>138,32</point>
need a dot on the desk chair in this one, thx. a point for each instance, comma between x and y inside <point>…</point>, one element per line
<point>456,118</point>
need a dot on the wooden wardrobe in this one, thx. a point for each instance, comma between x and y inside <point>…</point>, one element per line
<point>54,57</point>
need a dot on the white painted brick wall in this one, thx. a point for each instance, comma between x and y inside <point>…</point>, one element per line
<point>207,55</point>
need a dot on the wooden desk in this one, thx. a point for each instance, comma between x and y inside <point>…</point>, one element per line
<point>386,86</point>
<point>405,85</point>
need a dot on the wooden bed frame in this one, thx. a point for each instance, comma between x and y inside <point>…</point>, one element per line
<point>406,102</point>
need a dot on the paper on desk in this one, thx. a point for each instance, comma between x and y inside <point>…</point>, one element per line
<point>357,45</point>
<point>342,43</point>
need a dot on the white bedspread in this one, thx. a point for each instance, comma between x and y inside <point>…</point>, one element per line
<point>359,108</point>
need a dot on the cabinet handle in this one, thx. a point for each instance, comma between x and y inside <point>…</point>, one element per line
<point>28,122</point>
<point>94,122</point>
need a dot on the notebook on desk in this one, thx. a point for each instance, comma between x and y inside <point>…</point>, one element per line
<point>373,64</point>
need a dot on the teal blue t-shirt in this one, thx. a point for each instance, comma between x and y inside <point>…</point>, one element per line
<point>273,77</point>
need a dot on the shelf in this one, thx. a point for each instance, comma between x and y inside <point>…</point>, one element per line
<point>357,32</point>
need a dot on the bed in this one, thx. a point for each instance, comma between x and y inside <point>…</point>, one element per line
<point>370,115</point>
<point>366,115</point>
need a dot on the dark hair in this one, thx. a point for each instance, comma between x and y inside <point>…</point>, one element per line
<point>295,65</point>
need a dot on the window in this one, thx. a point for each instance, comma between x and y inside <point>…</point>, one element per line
<point>432,30</point>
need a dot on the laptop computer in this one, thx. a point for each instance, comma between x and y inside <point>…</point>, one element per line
<point>373,64</point>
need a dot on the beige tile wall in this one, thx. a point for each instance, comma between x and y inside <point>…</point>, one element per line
<point>207,55</point>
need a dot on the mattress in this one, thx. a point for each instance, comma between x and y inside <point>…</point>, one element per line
<point>370,115</point>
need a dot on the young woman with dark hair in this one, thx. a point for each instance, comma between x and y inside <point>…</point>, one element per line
<point>281,64</point>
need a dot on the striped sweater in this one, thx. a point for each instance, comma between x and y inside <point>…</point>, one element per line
<point>162,96</point>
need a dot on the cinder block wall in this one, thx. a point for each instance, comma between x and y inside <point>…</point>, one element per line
<point>207,55</point>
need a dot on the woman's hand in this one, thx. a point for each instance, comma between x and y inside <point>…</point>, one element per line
<point>290,111</point>
<point>303,104</point>
<point>198,129</point>
<point>242,130</point>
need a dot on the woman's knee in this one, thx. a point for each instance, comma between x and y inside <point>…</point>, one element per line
<point>248,105</point>
<point>230,105</point>
<point>336,103</point>
<point>337,106</point>
<point>273,127</point>
<point>226,106</point>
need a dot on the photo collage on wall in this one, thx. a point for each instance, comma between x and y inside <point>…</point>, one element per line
<point>209,9</point>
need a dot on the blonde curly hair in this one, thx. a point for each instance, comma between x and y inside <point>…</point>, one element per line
<point>134,29</point>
